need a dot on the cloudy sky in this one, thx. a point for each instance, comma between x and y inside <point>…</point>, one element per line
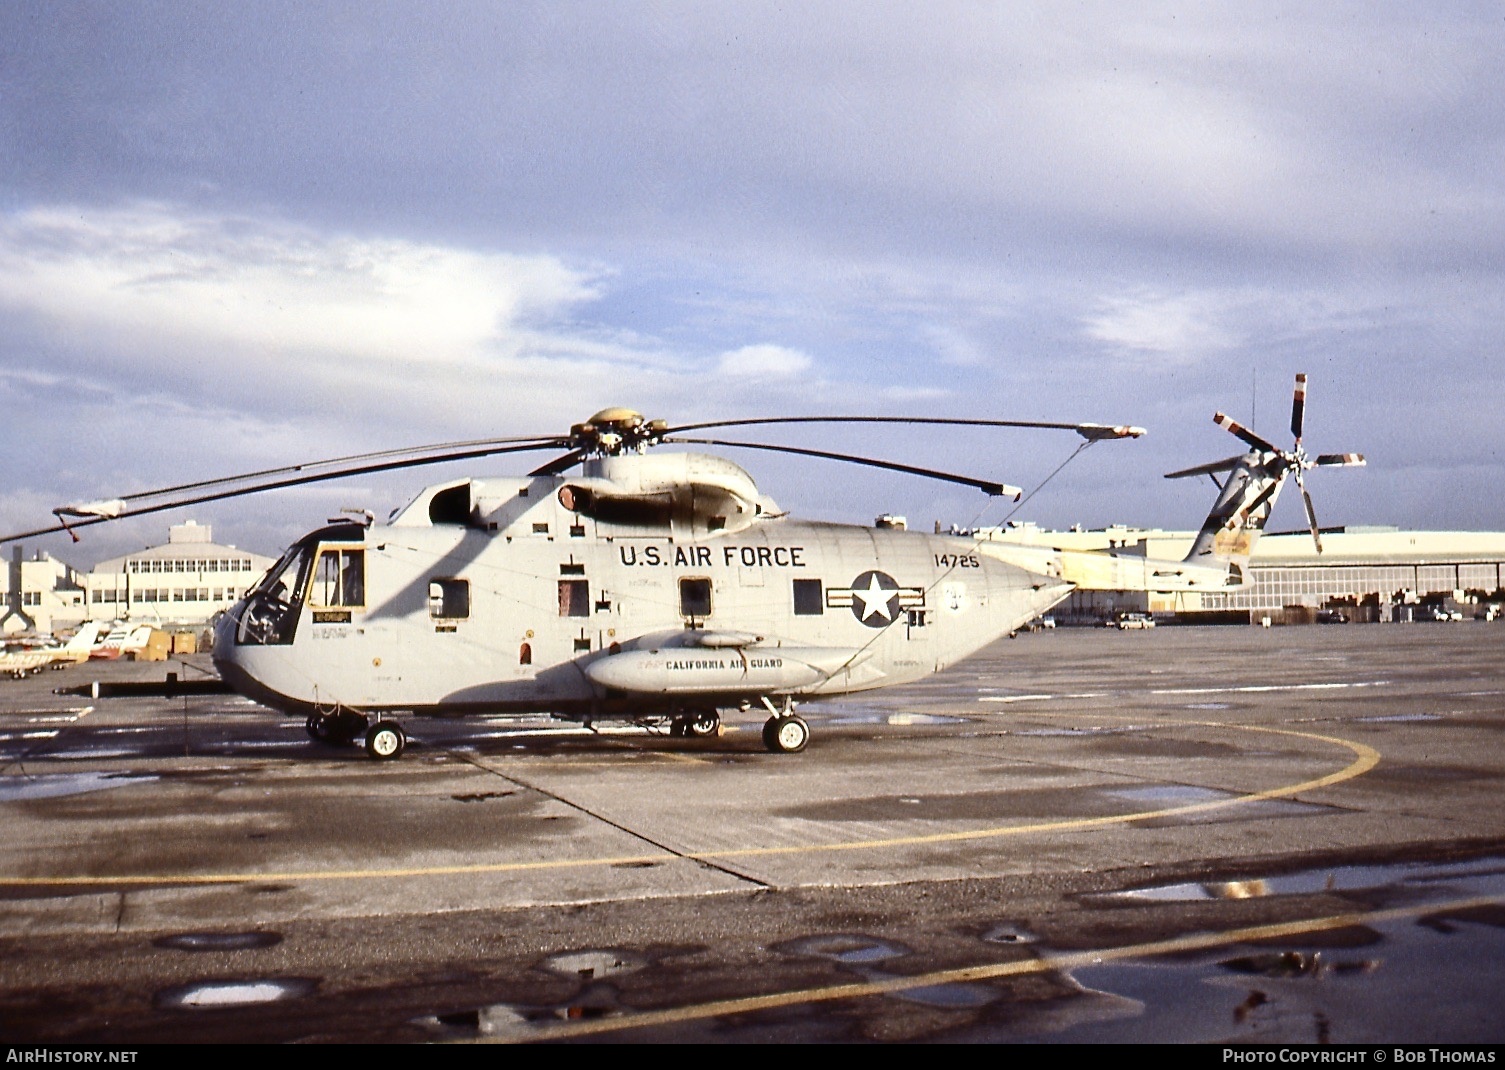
<point>235,236</point>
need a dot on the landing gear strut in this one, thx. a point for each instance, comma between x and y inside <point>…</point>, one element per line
<point>785,732</point>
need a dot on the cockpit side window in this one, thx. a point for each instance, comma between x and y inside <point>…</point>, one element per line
<point>340,578</point>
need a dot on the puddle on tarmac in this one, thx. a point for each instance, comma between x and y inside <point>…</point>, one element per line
<point>1481,877</point>
<point>959,995</point>
<point>850,948</point>
<point>56,785</point>
<point>1411,983</point>
<point>1068,731</point>
<point>1399,718</point>
<point>592,964</point>
<point>890,717</point>
<point>210,995</point>
<point>1429,978</point>
<point>1172,796</point>
<point>507,1019</point>
<point>218,941</point>
<point>1009,934</point>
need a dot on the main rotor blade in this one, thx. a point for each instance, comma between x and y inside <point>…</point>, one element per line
<point>431,454</point>
<point>986,486</point>
<point>1092,432</point>
<point>559,464</point>
<point>90,513</point>
<point>1230,424</point>
<point>1340,460</point>
<point>1298,406</point>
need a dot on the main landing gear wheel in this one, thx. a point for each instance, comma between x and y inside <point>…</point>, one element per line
<point>385,741</point>
<point>702,724</point>
<point>337,729</point>
<point>697,724</point>
<point>786,735</point>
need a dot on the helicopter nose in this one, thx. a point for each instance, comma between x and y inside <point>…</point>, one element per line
<point>224,636</point>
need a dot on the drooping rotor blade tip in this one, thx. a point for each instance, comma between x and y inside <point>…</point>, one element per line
<point>108,507</point>
<point>1097,432</point>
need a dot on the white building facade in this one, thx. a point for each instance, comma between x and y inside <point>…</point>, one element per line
<point>41,595</point>
<point>185,581</point>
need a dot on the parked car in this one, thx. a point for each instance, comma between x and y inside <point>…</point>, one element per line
<point>1331,616</point>
<point>1135,620</point>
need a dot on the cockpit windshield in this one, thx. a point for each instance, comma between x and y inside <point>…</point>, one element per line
<point>271,610</point>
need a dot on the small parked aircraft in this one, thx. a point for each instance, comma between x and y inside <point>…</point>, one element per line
<point>21,661</point>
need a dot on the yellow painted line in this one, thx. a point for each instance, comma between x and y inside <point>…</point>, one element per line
<point>984,972</point>
<point>1365,759</point>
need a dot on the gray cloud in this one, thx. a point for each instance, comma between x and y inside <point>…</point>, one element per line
<point>298,230</point>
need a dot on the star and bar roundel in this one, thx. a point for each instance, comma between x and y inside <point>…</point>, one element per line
<point>876,598</point>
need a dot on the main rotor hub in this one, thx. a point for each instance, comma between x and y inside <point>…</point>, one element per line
<point>612,431</point>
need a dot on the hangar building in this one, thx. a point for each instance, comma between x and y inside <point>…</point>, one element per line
<point>1365,573</point>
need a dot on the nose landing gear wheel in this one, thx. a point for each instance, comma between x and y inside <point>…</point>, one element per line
<point>786,735</point>
<point>385,741</point>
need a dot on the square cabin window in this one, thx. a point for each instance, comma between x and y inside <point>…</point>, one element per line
<point>695,597</point>
<point>449,599</point>
<point>574,598</point>
<point>809,600</point>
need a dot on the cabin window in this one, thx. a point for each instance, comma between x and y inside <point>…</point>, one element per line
<point>525,654</point>
<point>695,597</point>
<point>574,598</point>
<point>449,598</point>
<point>808,598</point>
<point>340,578</point>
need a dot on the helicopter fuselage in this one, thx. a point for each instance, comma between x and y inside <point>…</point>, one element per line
<point>550,595</point>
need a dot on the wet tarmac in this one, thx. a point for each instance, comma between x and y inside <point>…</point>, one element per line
<point>1189,834</point>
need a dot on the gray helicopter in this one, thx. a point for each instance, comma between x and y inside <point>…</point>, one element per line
<point>661,589</point>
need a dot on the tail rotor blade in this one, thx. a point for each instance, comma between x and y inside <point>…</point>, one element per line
<point>1228,423</point>
<point>1311,513</point>
<point>1298,407</point>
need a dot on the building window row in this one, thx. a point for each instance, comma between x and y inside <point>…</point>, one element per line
<point>164,564</point>
<point>170,594</point>
<point>1275,587</point>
